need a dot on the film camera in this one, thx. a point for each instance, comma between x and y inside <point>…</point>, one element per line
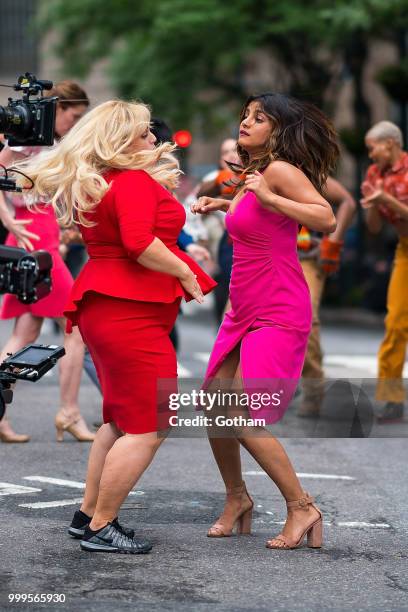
<point>30,363</point>
<point>27,275</point>
<point>27,121</point>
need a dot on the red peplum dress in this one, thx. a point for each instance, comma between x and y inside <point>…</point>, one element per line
<point>125,311</point>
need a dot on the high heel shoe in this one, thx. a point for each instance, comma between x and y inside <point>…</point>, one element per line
<point>76,427</point>
<point>242,522</point>
<point>314,531</point>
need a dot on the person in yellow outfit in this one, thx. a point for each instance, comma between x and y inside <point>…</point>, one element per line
<point>385,191</point>
<point>320,257</point>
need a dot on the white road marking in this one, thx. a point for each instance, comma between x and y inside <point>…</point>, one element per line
<point>183,372</point>
<point>301,475</point>
<point>361,524</point>
<point>53,504</point>
<point>203,357</point>
<point>352,524</point>
<point>369,363</point>
<point>7,488</point>
<point>73,484</point>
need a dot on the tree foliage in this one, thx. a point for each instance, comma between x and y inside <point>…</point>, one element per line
<point>185,56</point>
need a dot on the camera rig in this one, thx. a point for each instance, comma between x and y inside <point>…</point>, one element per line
<point>27,275</point>
<point>27,121</point>
<point>30,363</point>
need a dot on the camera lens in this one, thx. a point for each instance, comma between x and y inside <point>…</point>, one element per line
<point>15,120</point>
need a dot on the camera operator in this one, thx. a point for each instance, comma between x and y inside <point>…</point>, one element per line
<point>37,228</point>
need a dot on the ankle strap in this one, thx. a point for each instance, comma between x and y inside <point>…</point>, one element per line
<point>303,502</point>
<point>238,489</point>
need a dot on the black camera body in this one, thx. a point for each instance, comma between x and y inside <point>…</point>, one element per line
<point>30,363</point>
<point>27,275</point>
<point>29,122</point>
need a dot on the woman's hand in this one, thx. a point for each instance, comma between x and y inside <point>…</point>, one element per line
<point>372,193</point>
<point>205,205</point>
<point>190,284</point>
<point>22,236</point>
<point>198,252</point>
<point>373,199</point>
<point>257,184</point>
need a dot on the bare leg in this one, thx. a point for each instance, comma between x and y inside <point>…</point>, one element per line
<point>272,457</point>
<point>226,451</point>
<point>26,330</point>
<point>104,440</point>
<point>125,463</point>
<point>70,371</point>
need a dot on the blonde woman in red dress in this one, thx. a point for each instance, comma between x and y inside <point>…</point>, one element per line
<point>116,184</point>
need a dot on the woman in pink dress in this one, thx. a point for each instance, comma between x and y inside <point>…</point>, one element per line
<point>287,148</point>
<point>38,229</point>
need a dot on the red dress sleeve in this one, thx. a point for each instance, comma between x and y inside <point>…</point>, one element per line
<point>136,202</point>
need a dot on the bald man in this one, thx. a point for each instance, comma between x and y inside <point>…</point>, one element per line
<point>385,191</point>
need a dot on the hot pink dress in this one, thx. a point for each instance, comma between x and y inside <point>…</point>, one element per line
<point>45,225</point>
<point>271,311</point>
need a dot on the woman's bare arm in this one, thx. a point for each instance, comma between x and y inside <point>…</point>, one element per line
<point>159,258</point>
<point>286,190</point>
<point>205,205</point>
<point>25,239</point>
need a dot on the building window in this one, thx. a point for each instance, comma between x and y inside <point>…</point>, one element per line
<point>18,44</point>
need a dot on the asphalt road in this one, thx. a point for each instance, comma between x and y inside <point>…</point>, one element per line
<point>360,485</point>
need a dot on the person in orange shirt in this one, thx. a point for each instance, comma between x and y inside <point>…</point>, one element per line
<point>385,191</point>
<point>320,257</point>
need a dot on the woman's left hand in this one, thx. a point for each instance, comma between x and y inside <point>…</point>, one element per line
<point>257,184</point>
<point>373,199</point>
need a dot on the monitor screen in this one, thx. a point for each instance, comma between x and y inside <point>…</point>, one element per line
<point>34,355</point>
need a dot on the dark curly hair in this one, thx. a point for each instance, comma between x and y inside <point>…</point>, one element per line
<point>301,135</point>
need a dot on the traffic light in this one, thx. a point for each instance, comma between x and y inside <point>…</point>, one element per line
<point>182,138</point>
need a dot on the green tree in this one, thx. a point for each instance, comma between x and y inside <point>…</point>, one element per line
<point>188,58</point>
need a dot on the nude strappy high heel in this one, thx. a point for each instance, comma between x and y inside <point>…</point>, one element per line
<point>242,522</point>
<point>76,427</point>
<point>314,531</point>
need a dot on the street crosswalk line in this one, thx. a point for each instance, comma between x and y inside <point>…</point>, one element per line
<point>183,372</point>
<point>52,504</point>
<point>73,484</point>
<point>203,357</point>
<point>304,475</point>
<point>368,363</point>
<point>7,488</point>
<point>351,524</point>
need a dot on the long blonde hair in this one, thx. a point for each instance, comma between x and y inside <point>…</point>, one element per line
<point>70,175</point>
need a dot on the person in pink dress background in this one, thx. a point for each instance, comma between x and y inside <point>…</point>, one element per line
<point>37,228</point>
<point>287,148</point>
